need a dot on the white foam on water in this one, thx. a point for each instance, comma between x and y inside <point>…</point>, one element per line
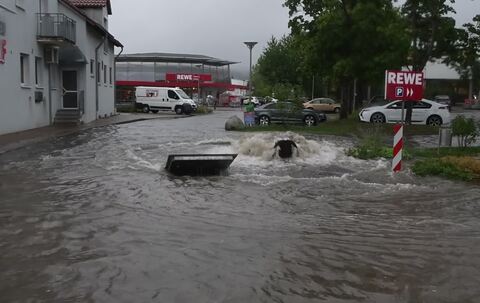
<point>268,180</point>
<point>142,162</point>
<point>225,141</point>
<point>261,147</point>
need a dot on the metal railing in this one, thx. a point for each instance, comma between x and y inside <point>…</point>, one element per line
<point>55,26</point>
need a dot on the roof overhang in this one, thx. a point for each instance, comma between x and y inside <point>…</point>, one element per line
<point>99,28</point>
<point>177,58</point>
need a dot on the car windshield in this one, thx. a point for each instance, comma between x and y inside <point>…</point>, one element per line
<point>182,94</point>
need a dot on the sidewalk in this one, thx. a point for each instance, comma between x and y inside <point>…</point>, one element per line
<point>21,139</point>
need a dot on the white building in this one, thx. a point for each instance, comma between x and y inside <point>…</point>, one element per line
<point>56,62</point>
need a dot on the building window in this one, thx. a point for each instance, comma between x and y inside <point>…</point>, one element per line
<point>2,28</point>
<point>44,6</point>
<point>111,80</point>
<point>24,69</point>
<point>92,67</point>
<point>105,74</point>
<point>98,72</point>
<point>38,72</point>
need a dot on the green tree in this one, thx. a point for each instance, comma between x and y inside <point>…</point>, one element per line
<point>432,32</point>
<point>278,71</point>
<point>465,59</point>
<point>465,129</point>
<point>349,39</point>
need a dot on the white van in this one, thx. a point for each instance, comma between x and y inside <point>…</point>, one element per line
<point>154,99</point>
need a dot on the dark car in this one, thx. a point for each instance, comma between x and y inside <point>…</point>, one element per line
<point>287,112</point>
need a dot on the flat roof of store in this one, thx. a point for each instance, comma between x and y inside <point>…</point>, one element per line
<point>179,58</point>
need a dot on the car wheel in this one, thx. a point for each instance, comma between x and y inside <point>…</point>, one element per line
<point>309,120</point>
<point>336,110</point>
<point>155,111</point>
<point>264,120</point>
<point>146,109</point>
<point>187,109</point>
<point>377,118</point>
<point>434,120</point>
<point>178,110</point>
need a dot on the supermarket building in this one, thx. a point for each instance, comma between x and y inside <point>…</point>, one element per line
<point>197,75</point>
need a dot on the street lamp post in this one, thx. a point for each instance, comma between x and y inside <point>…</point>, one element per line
<point>250,46</point>
<point>198,83</point>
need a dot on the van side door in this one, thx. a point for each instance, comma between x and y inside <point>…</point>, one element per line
<point>173,99</point>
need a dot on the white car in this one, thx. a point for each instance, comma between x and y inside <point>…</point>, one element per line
<point>423,112</point>
<point>254,100</point>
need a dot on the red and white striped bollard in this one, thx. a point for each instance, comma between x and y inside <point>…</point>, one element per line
<point>397,147</point>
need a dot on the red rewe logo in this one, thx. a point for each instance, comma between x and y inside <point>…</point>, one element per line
<point>184,77</point>
<point>188,77</point>
<point>3,50</point>
<point>401,85</point>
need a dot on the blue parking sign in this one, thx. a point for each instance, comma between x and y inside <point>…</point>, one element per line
<point>399,92</point>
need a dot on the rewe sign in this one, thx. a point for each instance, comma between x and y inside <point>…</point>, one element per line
<point>403,85</point>
<point>188,77</point>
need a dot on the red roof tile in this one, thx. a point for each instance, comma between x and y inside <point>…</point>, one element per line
<point>92,4</point>
<point>89,3</point>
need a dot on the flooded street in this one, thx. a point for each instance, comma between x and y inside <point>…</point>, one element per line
<point>93,217</point>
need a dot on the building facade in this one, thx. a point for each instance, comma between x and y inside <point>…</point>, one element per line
<point>56,62</point>
<point>199,76</point>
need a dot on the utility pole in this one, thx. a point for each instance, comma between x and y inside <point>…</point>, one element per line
<point>250,46</point>
<point>313,86</point>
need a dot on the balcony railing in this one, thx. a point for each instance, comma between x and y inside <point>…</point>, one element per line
<point>56,27</point>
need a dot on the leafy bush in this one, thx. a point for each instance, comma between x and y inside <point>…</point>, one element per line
<point>444,168</point>
<point>371,146</point>
<point>465,130</point>
<point>467,163</point>
<point>127,109</point>
<point>203,109</point>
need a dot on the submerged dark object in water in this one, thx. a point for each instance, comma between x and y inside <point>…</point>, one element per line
<point>202,164</point>
<point>285,148</point>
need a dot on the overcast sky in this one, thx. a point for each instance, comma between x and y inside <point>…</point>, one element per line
<point>214,28</point>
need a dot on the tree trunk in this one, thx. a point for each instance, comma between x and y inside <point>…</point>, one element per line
<point>470,85</point>
<point>346,97</point>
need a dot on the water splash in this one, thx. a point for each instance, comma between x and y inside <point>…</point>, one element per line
<point>261,146</point>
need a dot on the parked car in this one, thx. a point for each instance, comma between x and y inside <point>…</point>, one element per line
<point>261,100</point>
<point>323,104</point>
<point>378,100</point>
<point>269,99</point>
<point>252,99</point>
<point>423,112</point>
<point>287,112</point>
<point>443,99</point>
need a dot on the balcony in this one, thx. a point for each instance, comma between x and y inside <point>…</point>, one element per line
<point>55,29</point>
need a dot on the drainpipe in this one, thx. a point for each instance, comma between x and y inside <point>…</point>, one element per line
<point>115,77</point>
<point>50,94</point>
<point>97,75</point>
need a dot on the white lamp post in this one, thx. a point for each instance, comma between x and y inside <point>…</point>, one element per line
<point>250,45</point>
